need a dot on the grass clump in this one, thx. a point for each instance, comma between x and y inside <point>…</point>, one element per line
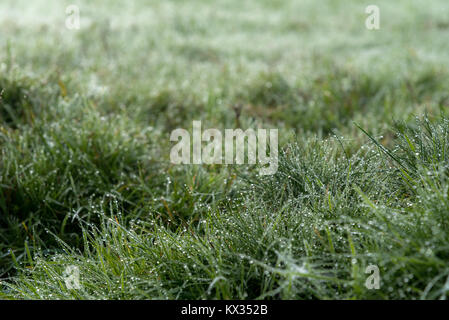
<point>22,98</point>
<point>325,226</point>
<point>50,169</point>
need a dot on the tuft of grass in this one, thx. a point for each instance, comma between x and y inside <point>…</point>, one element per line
<point>23,98</point>
<point>312,238</point>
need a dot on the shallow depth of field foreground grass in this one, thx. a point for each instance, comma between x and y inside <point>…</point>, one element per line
<point>86,179</point>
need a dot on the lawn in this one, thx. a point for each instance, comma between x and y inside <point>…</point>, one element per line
<point>86,181</point>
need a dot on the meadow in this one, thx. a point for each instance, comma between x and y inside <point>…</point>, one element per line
<point>86,180</point>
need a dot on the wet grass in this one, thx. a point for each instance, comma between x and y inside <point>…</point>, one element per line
<point>86,181</point>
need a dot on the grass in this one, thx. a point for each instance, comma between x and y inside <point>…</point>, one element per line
<point>86,180</point>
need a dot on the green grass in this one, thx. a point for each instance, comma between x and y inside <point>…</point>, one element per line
<point>86,179</point>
